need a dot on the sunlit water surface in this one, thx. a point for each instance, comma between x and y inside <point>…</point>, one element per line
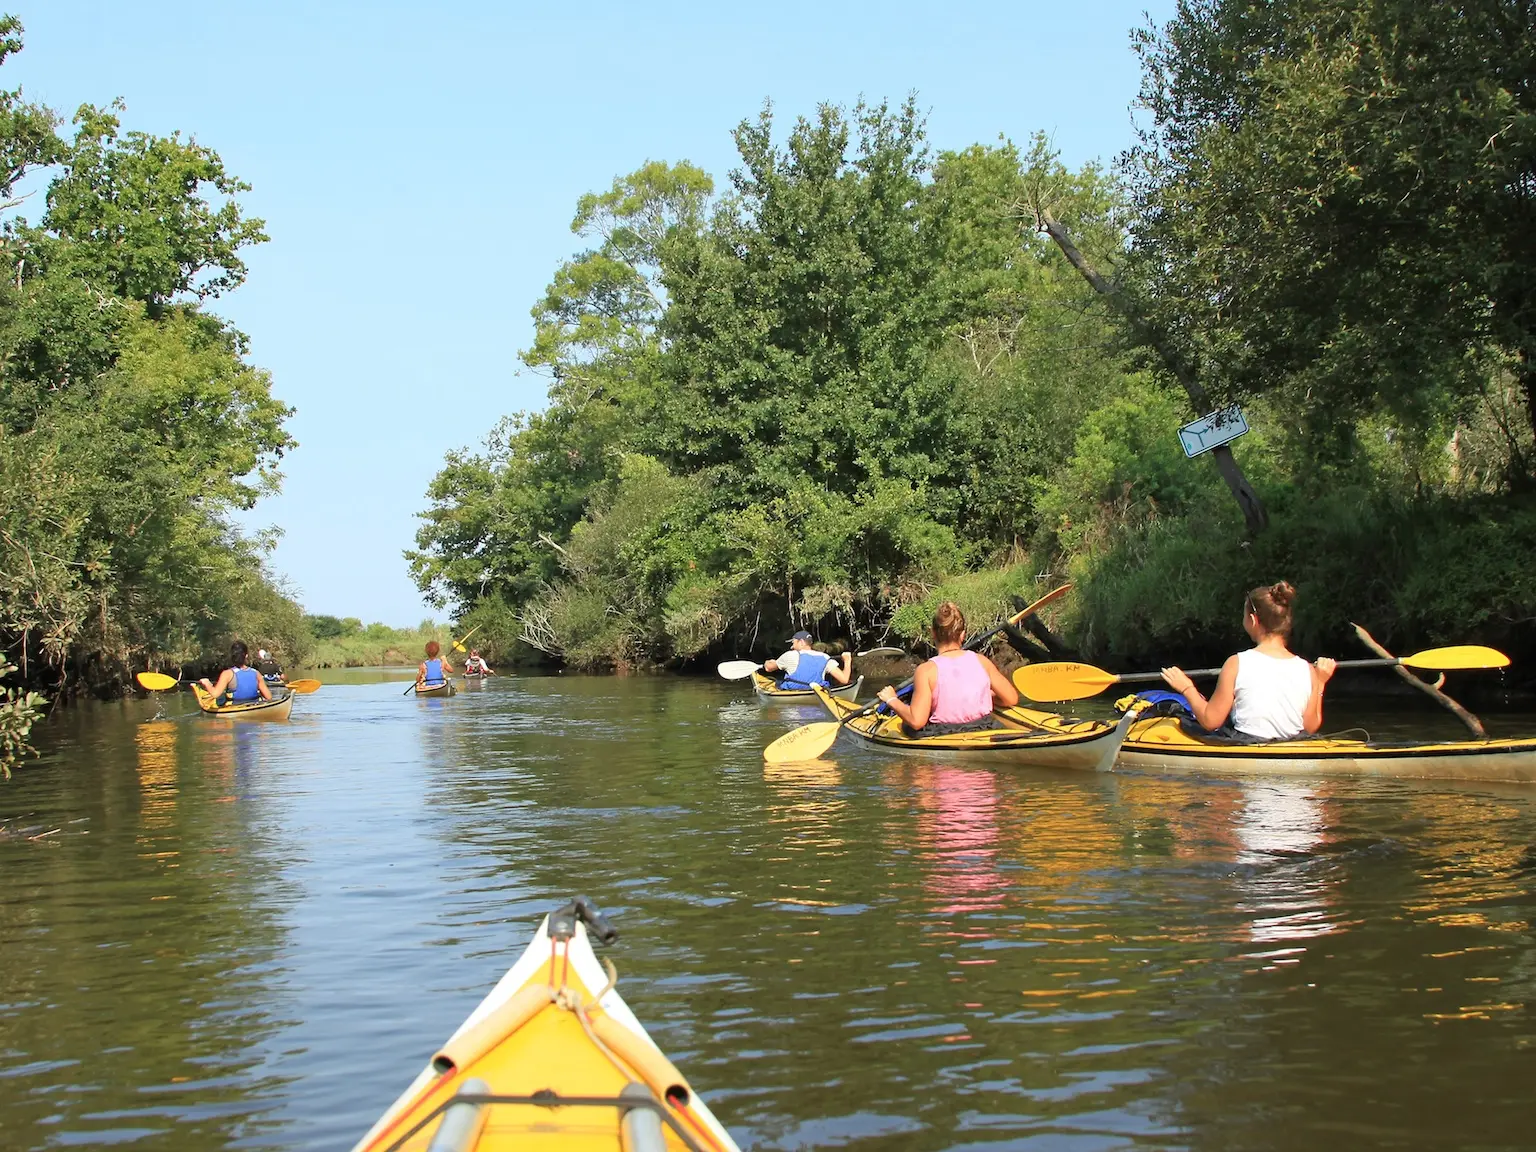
<point>220,936</point>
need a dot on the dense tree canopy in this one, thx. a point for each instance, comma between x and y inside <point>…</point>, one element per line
<point>131,424</point>
<point>857,379</point>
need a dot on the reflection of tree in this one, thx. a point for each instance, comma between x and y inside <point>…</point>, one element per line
<point>136,949</point>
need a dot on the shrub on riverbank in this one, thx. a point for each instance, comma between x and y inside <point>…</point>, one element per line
<point>349,643</point>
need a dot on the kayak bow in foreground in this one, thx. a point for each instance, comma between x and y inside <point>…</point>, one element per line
<point>552,1058</point>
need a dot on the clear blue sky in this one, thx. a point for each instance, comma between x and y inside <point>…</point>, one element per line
<point>418,167</point>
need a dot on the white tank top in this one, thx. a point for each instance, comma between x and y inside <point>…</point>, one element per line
<point>1271,695</point>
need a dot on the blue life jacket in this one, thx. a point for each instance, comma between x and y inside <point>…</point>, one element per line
<point>434,672</point>
<point>810,669</point>
<point>244,687</point>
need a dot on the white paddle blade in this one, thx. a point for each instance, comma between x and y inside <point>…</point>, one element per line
<point>737,669</point>
<point>886,650</point>
<point>1061,680</point>
<point>804,743</point>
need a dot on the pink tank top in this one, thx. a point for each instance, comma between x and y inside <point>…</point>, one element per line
<point>962,691</point>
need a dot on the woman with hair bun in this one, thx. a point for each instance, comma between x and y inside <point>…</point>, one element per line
<point>956,689</point>
<point>1267,692</point>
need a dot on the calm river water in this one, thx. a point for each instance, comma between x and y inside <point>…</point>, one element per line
<point>252,937</point>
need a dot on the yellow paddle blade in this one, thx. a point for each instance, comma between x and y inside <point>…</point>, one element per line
<point>804,743</point>
<point>156,681</point>
<point>303,687</point>
<point>1061,680</point>
<point>1458,656</point>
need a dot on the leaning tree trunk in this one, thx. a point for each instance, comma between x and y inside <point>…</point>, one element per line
<point>1254,513</point>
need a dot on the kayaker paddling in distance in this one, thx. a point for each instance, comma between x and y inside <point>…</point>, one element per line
<point>475,666</point>
<point>1268,692</point>
<point>956,688</point>
<point>241,681</point>
<point>803,666</point>
<point>430,673</point>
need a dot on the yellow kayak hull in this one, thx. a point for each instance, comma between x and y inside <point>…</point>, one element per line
<point>1162,745</point>
<point>526,1041</point>
<point>769,692</point>
<point>1028,737</point>
<point>277,708</point>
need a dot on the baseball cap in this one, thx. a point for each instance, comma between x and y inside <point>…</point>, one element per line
<point>800,635</point>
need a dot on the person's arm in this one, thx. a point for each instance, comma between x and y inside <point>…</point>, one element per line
<point>1209,714</point>
<point>1322,672</point>
<point>916,713</point>
<point>226,678</point>
<point>770,665</point>
<point>261,687</point>
<point>421,672</point>
<point>843,672</point>
<point>1004,694</point>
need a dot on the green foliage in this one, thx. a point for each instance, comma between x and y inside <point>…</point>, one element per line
<point>985,598</point>
<point>858,381</point>
<point>1335,202</point>
<point>19,710</point>
<point>131,426</point>
<point>333,643</point>
<point>1415,570</point>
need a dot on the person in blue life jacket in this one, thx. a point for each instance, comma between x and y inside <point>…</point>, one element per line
<point>431,673</point>
<point>802,666</point>
<point>242,682</point>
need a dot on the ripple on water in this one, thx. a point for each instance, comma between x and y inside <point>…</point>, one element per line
<point>253,939</point>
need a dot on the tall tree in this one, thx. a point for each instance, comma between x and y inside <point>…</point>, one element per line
<point>1338,199</point>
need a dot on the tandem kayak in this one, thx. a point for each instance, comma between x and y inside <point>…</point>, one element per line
<point>438,691</point>
<point>768,690</point>
<point>1162,744</point>
<point>1027,736</point>
<point>276,708</point>
<point>552,1059</point>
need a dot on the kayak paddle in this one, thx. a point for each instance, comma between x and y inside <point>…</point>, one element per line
<point>302,687</point>
<point>883,650</point>
<point>736,669</point>
<point>1069,681</point>
<point>810,740</point>
<point>156,681</point>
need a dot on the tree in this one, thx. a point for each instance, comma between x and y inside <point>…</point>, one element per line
<point>1337,201</point>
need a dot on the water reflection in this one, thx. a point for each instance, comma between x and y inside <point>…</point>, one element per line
<point>275,924</point>
<point>1279,827</point>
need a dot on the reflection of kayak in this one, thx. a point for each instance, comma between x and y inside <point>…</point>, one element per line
<point>1027,737</point>
<point>276,708</point>
<point>1162,745</point>
<point>767,688</point>
<point>444,689</point>
<point>552,1032</point>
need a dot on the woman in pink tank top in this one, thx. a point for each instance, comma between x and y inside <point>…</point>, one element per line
<point>956,686</point>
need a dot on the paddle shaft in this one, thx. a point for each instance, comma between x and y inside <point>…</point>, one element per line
<point>1150,677</point>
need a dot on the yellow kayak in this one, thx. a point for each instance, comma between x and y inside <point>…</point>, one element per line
<point>1026,736</point>
<point>552,1059</point>
<point>276,708</point>
<point>768,691</point>
<point>437,691</point>
<point>1162,745</point>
